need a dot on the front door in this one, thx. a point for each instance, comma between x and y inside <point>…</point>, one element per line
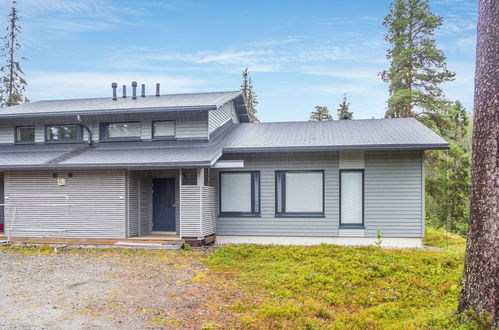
<point>163,204</point>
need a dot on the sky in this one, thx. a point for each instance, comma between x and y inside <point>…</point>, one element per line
<point>300,53</point>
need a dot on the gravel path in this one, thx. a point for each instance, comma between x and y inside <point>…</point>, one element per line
<point>114,288</point>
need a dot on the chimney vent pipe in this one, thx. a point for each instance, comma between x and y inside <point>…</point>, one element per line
<point>124,91</point>
<point>143,90</point>
<point>157,89</point>
<point>114,86</point>
<point>134,90</point>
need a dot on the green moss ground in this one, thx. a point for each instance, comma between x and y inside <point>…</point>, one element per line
<point>343,287</point>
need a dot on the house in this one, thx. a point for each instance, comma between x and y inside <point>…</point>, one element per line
<point>192,166</point>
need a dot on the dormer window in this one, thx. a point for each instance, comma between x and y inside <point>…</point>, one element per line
<point>63,133</point>
<point>123,131</point>
<point>25,134</point>
<point>164,129</point>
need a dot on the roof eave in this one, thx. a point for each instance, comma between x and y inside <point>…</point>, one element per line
<point>338,148</point>
<point>135,166</point>
<point>108,111</point>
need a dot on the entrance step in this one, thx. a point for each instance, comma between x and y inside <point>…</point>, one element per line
<point>149,245</point>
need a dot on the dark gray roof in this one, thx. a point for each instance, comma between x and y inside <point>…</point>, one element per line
<point>150,103</point>
<point>374,134</point>
<point>152,154</point>
<point>148,154</point>
<point>369,134</point>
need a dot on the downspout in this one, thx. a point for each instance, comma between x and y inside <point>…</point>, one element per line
<point>90,141</point>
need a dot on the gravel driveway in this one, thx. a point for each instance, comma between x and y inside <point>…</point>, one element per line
<point>110,288</point>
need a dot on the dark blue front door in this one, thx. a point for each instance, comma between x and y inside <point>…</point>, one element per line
<point>163,204</point>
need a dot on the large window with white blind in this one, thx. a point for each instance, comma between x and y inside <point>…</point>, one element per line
<point>240,193</point>
<point>351,198</point>
<point>300,193</point>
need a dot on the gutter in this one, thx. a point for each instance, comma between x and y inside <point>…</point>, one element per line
<point>443,146</point>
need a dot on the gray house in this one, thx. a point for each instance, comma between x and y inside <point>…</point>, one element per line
<point>191,166</point>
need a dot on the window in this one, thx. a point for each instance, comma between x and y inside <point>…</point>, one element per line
<point>300,193</point>
<point>120,131</point>
<point>25,134</point>
<point>351,198</point>
<point>163,129</point>
<point>240,193</point>
<point>63,133</point>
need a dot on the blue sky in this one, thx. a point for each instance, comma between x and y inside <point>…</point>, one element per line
<point>301,53</point>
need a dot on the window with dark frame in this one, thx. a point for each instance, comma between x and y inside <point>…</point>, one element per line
<point>63,133</point>
<point>240,193</point>
<point>120,131</point>
<point>25,134</point>
<point>299,193</point>
<point>352,198</point>
<point>163,129</point>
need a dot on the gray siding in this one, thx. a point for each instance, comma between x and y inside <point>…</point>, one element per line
<point>133,203</point>
<point>1,199</point>
<point>268,224</point>
<point>187,124</point>
<point>97,198</point>
<point>217,118</point>
<point>393,193</point>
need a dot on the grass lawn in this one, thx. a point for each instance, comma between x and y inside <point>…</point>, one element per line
<point>343,287</point>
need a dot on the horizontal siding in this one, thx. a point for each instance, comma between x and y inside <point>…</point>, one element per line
<point>191,211</point>
<point>352,160</point>
<point>268,224</point>
<point>220,116</point>
<point>145,203</point>
<point>133,198</point>
<point>193,124</point>
<point>209,209</point>
<point>393,193</point>
<point>97,201</point>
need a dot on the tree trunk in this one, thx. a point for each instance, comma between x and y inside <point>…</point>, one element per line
<point>481,270</point>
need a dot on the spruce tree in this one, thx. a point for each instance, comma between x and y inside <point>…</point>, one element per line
<point>321,113</point>
<point>343,110</point>
<point>449,171</point>
<point>249,96</point>
<point>417,66</point>
<point>12,81</point>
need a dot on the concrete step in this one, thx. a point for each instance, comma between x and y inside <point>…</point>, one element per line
<point>148,245</point>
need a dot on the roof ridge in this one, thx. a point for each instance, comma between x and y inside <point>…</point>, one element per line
<point>150,95</point>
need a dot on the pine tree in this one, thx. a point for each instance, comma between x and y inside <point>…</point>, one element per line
<point>481,268</point>
<point>249,96</point>
<point>343,110</point>
<point>321,113</point>
<point>417,67</point>
<point>12,81</point>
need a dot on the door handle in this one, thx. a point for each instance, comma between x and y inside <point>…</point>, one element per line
<point>174,204</point>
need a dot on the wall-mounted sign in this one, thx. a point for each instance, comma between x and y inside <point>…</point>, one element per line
<point>61,181</point>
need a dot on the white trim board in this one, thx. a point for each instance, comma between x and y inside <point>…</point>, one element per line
<point>392,242</point>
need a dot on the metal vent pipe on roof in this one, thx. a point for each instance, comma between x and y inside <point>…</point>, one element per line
<point>143,90</point>
<point>114,86</point>
<point>157,89</point>
<point>134,90</point>
<point>124,91</point>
